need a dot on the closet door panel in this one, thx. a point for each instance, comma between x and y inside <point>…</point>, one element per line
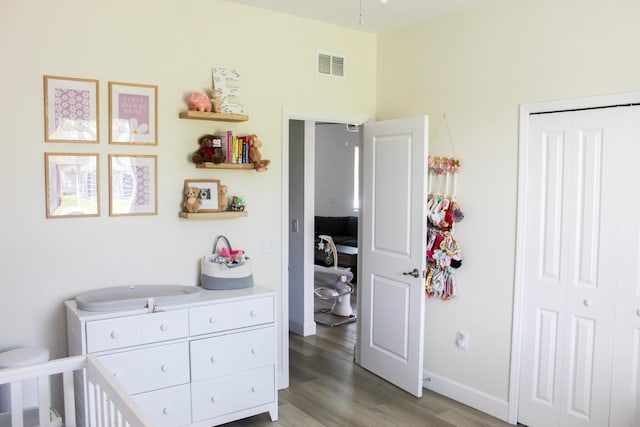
<point>625,391</point>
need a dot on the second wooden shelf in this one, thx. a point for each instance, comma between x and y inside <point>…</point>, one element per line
<point>212,215</point>
<point>209,165</point>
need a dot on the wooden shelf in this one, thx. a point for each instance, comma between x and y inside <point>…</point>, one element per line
<point>221,117</point>
<point>212,215</point>
<point>209,165</point>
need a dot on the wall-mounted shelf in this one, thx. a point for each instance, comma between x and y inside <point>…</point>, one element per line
<point>209,165</point>
<point>221,117</point>
<point>212,215</point>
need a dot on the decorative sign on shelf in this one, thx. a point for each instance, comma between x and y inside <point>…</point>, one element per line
<point>221,76</point>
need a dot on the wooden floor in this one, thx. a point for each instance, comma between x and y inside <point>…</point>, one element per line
<point>327,389</point>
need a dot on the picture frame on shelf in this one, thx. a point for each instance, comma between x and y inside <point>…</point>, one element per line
<point>133,114</point>
<point>133,188</point>
<point>208,191</point>
<point>72,185</point>
<point>71,110</point>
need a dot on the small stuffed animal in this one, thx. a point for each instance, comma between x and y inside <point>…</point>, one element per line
<point>199,101</point>
<point>216,101</point>
<point>210,150</point>
<point>222,196</point>
<point>259,164</point>
<point>191,201</point>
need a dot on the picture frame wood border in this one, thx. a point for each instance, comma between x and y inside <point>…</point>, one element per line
<point>133,192</point>
<point>213,187</point>
<point>73,129</point>
<point>124,127</point>
<point>58,187</point>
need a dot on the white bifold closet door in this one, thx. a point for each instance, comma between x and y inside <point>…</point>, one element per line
<point>579,363</point>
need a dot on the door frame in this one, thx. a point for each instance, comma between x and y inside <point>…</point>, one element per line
<point>522,210</point>
<point>306,115</point>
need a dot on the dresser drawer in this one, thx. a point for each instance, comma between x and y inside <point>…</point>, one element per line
<point>169,407</point>
<point>231,315</point>
<point>231,353</point>
<point>148,328</point>
<point>149,369</point>
<point>223,395</point>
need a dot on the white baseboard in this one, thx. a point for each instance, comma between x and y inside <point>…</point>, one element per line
<point>306,329</point>
<point>469,396</point>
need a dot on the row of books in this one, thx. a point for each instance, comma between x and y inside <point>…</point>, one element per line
<point>235,148</point>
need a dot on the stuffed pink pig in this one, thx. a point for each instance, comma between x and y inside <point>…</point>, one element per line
<point>199,101</point>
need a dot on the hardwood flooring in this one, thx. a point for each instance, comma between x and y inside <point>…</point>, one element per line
<point>327,389</point>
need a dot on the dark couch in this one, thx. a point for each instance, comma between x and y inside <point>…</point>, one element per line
<point>342,229</point>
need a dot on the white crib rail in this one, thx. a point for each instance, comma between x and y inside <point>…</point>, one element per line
<point>109,406</point>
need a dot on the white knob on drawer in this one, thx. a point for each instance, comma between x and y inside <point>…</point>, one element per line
<point>254,388</point>
<point>114,334</point>
<point>213,358</point>
<point>164,367</point>
<point>212,319</point>
<point>116,374</point>
<point>253,350</point>
<point>166,411</point>
<point>164,327</point>
<point>214,398</point>
<point>252,313</point>
<point>587,303</point>
<point>638,312</point>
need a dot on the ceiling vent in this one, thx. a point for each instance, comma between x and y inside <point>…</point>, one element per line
<point>330,65</point>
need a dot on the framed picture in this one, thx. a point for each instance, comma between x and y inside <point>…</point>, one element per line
<point>133,114</point>
<point>71,110</point>
<point>72,187</point>
<point>133,185</point>
<point>207,190</point>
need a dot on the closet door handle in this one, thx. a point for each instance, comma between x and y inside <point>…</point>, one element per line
<point>415,273</point>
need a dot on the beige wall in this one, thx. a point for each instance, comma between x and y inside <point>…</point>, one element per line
<point>477,67</point>
<point>172,44</point>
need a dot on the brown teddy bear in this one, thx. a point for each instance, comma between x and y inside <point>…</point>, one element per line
<point>191,201</point>
<point>259,164</point>
<point>210,150</point>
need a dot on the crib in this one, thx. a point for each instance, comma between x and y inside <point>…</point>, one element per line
<point>108,404</point>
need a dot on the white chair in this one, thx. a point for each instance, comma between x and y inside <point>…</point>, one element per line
<point>334,283</point>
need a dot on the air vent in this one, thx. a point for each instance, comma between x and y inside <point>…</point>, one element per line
<point>330,65</point>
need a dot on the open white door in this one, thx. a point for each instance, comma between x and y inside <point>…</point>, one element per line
<point>392,254</point>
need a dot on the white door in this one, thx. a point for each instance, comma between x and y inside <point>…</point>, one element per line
<point>394,178</point>
<point>573,185</point>
<point>625,396</point>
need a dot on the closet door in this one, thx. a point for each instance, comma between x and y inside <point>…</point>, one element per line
<point>570,269</point>
<point>625,395</point>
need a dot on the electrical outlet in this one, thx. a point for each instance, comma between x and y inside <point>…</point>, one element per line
<point>268,246</point>
<point>462,340</point>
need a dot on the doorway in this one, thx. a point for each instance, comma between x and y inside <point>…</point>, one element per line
<point>575,341</point>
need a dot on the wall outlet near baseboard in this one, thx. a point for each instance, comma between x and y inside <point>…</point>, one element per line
<point>462,340</point>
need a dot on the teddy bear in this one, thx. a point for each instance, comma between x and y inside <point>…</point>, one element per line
<point>222,196</point>
<point>259,164</point>
<point>216,101</point>
<point>191,201</point>
<point>210,150</point>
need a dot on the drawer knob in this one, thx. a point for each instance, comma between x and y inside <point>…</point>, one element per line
<point>114,334</point>
<point>164,327</point>
<point>116,374</point>
<point>212,319</point>
<point>587,303</point>
<point>638,312</point>
<point>166,411</point>
<point>213,358</point>
<point>164,367</point>
<point>252,313</point>
<point>214,398</point>
<point>254,351</point>
<point>254,388</point>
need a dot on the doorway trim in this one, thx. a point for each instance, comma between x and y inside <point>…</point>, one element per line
<point>525,111</point>
<point>316,116</point>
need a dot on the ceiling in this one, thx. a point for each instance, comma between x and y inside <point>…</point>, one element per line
<point>376,16</point>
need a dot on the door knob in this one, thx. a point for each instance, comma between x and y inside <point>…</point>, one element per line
<point>415,273</point>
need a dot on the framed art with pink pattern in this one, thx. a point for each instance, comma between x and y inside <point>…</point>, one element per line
<point>133,114</point>
<point>71,110</point>
<point>133,184</point>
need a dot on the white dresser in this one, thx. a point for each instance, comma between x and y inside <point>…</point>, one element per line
<point>203,363</point>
